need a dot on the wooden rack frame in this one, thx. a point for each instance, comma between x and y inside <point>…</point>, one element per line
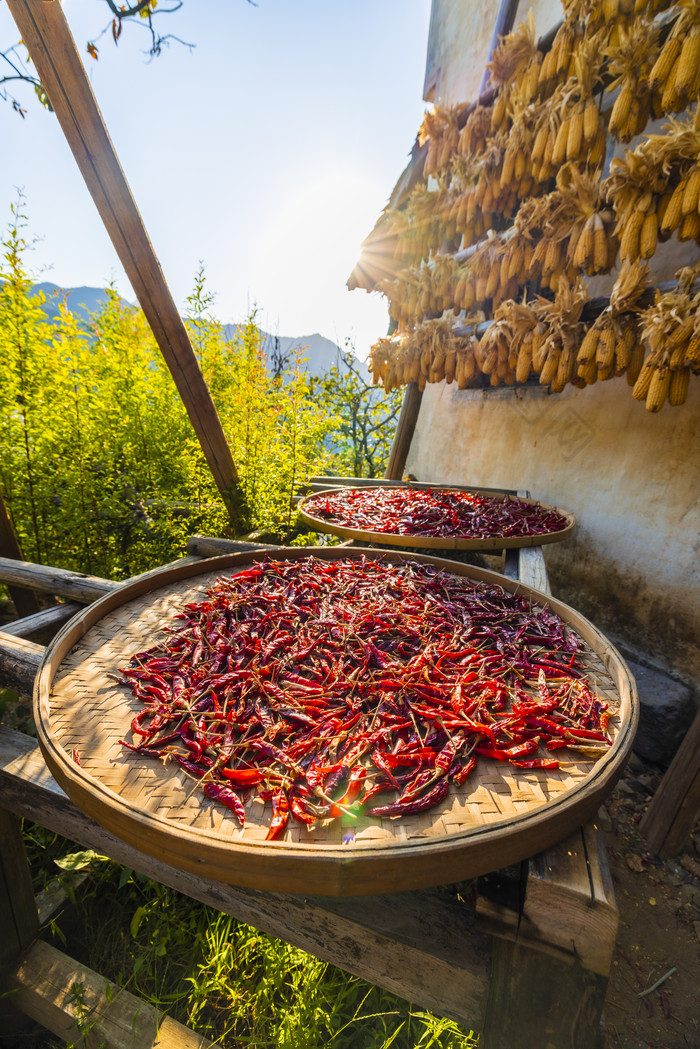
<point>490,966</point>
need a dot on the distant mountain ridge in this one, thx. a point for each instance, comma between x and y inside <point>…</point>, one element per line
<point>318,353</point>
<point>82,302</point>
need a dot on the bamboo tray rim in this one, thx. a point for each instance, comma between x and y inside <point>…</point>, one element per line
<point>329,869</point>
<point>438,542</point>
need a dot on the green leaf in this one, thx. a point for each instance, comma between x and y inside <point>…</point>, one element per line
<point>78,861</point>
<point>125,877</point>
<point>138,916</point>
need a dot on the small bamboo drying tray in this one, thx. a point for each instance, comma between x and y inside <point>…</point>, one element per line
<point>500,815</point>
<point>450,542</point>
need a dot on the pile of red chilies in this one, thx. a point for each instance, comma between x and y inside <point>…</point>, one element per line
<point>434,513</point>
<point>325,684</point>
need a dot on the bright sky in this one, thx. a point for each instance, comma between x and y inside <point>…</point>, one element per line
<point>267,152</point>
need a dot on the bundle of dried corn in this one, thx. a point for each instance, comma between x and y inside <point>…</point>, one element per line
<point>675,75</point>
<point>379,356</point>
<point>612,345</point>
<point>554,225</point>
<point>670,329</point>
<point>505,351</point>
<point>569,126</point>
<point>557,64</point>
<point>485,274</point>
<point>402,293</point>
<point>440,129</point>
<point>477,128</point>
<point>419,233</point>
<point>629,65</point>
<point>431,352</point>
<point>514,69</point>
<point>554,351</point>
<point>655,189</point>
<point>459,212</point>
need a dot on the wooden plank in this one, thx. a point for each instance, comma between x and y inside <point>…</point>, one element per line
<point>570,904</point>
<point>77,586</point>
<point>58,895</point>
<point>569,888</point>
<point>421,946</point>
<point>19,662</point>
<point>672,812</point>
<point>532,570</point>
<point>405,428</point>
<point>42,626</point>
<point>536,1001</point>
<point>19,920</point>
<point>48,39</point>
<point>567,906</point>
<point>80,1006</point>
<point>25,601</point>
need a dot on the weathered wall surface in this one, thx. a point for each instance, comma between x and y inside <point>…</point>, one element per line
<point>630,477</point>
<point>459,38</point>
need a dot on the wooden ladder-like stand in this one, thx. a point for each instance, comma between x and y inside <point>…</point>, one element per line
<point>529,965</point>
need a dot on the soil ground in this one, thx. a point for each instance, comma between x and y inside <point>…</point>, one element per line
<point>659,933</point>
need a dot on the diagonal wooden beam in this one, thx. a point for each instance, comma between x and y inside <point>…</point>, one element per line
<point>48,39</point>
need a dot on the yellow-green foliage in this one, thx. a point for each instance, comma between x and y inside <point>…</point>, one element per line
<point>99,465</point>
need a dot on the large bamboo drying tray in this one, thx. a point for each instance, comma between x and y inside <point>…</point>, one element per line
<point>499,816</point>
<point>450,542</point>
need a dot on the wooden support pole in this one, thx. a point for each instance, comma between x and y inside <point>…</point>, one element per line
<point>24,600</point>
<point>19,919</point>
<point>532,1003</point>
<point>408,417</point>
<point>45,624</point>
<point>670,818</point>
<point>78,586</point>
<point>19,663</point>
<point>52,49</point>
<point>211,546</point>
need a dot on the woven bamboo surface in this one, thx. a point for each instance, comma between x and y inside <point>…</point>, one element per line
<point>450,542</point>
<point>499,814</point>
